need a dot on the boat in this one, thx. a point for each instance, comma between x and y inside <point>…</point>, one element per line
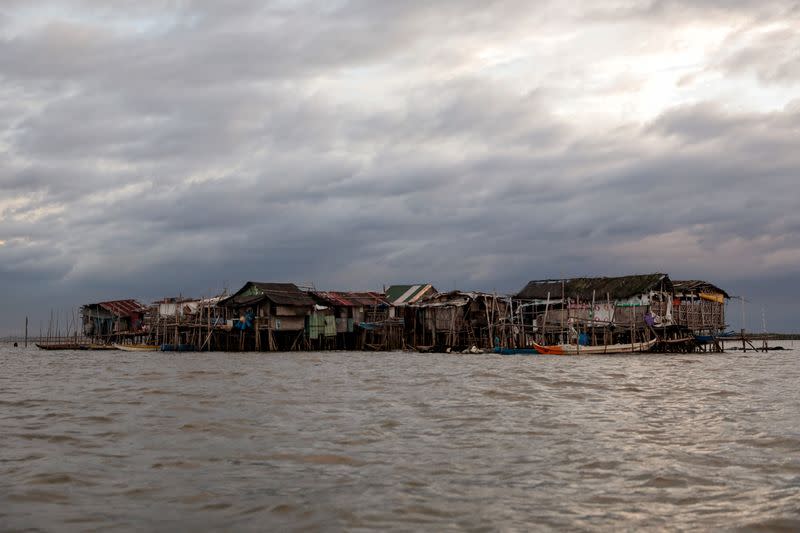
<point>516,351</point>
<point>705,339</point>
<point>73,346</point>
<point>137,347</point>
<point>177,348</point>
<point>573,349</point>
<point>59,346</point>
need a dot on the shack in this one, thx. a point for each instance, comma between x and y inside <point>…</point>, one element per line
<point>342,320</point>
<point>700,307</point>
<point>111,321</point>
<point>594,311</point>
<point>188,322</point>
<point>268,316</point>
<point>457,320</point>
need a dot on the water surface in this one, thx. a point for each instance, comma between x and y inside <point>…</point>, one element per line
<point>358,441</point>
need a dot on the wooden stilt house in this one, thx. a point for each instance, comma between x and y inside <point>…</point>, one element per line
<point>268,316</point>
<point>111,321</point>
<point>339,319</point>
<point>699,306</point>
<point>456,321</point>
<point>594,311</point>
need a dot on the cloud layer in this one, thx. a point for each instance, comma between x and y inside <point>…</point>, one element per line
<point>157,146</point>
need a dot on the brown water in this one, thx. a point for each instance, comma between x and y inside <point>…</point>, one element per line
<point>353,441</point>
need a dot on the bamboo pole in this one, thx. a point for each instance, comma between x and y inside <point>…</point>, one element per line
<point>544,321</point>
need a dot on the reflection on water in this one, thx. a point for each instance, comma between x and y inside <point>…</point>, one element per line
<point>331,441</point>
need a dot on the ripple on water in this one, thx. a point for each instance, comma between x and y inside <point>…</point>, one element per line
<point>317,459</point>
<point>58,478</point>
<point>507,395</point>
<point>39,496</point>
<point>399,442</point>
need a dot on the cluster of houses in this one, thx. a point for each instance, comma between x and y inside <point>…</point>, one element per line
<point>682,315</point>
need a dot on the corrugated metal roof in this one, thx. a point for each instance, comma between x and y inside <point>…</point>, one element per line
<point>120,307</point>
<point>351,299</point>
<point>695,285</point>
<point>367,299</point>
<point>332,298</point>
<point>583,288</point>
<point>407,294</point>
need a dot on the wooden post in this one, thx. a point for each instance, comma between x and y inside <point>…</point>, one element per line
<point>26,332</point>
<point>176,322</point>
<point>562,310</point>
<point>544,320</point>
<point>593,321</point>
<point>611,317</point>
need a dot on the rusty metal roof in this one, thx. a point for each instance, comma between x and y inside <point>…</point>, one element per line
<point>120,307</point>
<point>350,299</point>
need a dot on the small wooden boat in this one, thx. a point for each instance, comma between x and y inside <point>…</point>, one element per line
<point>137,347</point>
<point>73,346</point>
<point>572,349</point>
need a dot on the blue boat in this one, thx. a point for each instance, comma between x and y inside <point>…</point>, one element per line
<point>704,339</point>
<point>515,351</point>
<point>178,348</point>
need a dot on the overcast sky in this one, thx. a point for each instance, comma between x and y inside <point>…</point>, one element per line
<point>156,147</point>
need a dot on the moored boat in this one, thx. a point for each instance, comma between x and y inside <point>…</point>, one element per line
<point>59,346</point>
<point>73,346</point>
<point>705,339</point>
<point>178,348</point>
<point>573,349</point>
<point>137,347</point>
<point>516,351</point>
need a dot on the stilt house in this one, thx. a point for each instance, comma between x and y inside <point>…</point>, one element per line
<point>456,321</point>
<point>699,306</point>
<point>339,318</point>
<point>603,310</point>
<point>269,316</point>
<point>112,319</point>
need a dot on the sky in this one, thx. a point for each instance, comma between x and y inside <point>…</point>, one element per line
<point>150,148</point>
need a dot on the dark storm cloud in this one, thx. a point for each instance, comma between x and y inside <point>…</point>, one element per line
<point>22,261</point>
<point>161,147</point>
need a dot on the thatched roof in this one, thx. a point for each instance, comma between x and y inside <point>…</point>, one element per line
<point>450,299</point>
<point>697,286</point>
<point>616,288</point>
<point>277,293</point>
